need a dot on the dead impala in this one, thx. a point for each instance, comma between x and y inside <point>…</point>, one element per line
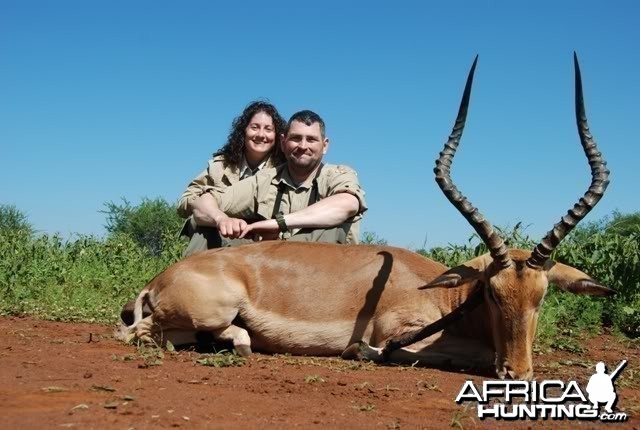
<point>325,299</point>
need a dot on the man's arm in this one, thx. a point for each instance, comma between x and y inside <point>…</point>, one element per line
<point>329,212</point>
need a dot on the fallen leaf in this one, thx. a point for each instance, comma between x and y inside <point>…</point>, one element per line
<point>102,388</point>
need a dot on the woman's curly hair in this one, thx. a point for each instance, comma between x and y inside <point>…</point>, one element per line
<point>233,150</point>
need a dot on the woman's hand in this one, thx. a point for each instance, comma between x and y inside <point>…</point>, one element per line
<point>232,228</point>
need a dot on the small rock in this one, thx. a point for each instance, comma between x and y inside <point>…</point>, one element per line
<point>80,407</point>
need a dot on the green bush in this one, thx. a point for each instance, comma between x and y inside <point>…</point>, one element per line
<point>87,279</point>
<point>614,261</point>
<point>12,219</point>
<point>371,238</point>
<point>148,223</point>
<point>624,224</point>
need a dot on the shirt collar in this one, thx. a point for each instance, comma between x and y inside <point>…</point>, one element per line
<point>285,178</point>
<point>246,171</point>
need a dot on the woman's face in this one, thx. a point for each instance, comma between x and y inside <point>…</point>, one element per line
<point>259,137</point>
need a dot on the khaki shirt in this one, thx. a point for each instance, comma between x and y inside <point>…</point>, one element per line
<point>255,198</point>
<point>216,177</point>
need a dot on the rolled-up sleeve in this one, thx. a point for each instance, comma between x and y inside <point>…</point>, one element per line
<point>195,189</point>
<point>344,179</point>
<point>209,179</point>
<point>238,200</point>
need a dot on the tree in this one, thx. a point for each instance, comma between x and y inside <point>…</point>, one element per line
<point>624,224</point>
<point>148,223</point>
<point>13,219</point>
<point>371,238</point>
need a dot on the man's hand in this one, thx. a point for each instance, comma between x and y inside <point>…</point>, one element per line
<point>232,228</point>
<point>268,229</point>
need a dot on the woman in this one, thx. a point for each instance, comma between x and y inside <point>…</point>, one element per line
<point>253,144</point>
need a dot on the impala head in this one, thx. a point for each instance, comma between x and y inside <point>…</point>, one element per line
<point>516,281</point>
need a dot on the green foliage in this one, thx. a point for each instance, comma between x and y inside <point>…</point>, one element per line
<point>624,224</point>
<point>613,260</point>
<point>454,255</point>
<point>12,219</point>
<point>149,224</point>
<point>222,358</point>
<point>87,279</point>
<point>371,238</point>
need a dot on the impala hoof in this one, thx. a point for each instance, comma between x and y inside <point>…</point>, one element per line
<point>243,350</point>
<point>355,351</point>
<point>362,351</point>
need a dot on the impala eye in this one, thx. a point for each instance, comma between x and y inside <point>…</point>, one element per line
<point>493,297</point>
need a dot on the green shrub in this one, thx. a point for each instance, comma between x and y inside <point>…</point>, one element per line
<point>371,238</point>
<point>148,224</point>
<point>87,279</point>
<point>12,220</point>
<point>614,261</point>
<point>624,224</point>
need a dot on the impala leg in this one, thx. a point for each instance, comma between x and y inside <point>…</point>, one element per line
<point>463,353</point>
<point>148,332</point>
<point>145,330</point>
<point>239,337</point>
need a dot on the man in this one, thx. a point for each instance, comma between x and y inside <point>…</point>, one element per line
<point>301,200</point>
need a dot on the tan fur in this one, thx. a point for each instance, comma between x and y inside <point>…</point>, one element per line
<point>318,299</point>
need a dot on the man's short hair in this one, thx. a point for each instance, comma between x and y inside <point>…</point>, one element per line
<point>308,118</point>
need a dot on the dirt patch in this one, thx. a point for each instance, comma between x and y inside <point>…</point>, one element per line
<point>61,375</point>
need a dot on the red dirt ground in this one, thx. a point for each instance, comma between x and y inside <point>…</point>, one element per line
<point>51,376</point>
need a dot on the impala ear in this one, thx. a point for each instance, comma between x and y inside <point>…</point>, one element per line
<point>575,281</point>
<point>589,287</point>
<point>446,280</point>
<point>467,272</point>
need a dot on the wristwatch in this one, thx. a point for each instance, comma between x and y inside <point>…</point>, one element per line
<point>282,225</point>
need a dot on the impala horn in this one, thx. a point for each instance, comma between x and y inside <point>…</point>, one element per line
<point>599,182</point>
<point>483,227</point>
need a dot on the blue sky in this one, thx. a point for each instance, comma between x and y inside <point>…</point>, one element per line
<point>107,99</point>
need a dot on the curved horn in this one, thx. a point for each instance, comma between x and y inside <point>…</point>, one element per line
<point>599,182</point>
<point>443,177</point>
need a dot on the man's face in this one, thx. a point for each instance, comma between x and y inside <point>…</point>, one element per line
<point>304,146</point>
